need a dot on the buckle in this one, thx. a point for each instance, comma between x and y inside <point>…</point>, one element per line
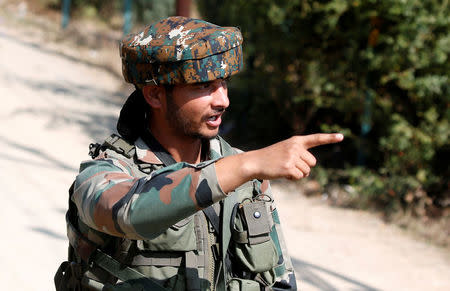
<point>215,251</point>
<point>94,149</point>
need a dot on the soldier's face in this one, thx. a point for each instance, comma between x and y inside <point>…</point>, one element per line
<point>195,110</point>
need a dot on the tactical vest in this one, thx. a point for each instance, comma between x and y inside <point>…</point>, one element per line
<point>190,255</point>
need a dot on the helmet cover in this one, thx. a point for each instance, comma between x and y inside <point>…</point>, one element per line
<point>181,50</point>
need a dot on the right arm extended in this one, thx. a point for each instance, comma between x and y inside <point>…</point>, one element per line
<point>109,199</point>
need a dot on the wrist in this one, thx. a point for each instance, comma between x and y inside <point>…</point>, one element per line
<point>248,168</point>
<point>233,171</point>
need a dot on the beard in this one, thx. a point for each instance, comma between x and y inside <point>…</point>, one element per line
<point>181,123</point>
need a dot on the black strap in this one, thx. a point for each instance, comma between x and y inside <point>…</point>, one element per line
<point>158,149</point>
<point>212,216</point>
<point>124,273</point>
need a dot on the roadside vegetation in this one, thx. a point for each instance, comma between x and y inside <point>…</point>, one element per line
<point>377,71</point>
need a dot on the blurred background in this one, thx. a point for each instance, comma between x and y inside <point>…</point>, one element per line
<point>375,70</point>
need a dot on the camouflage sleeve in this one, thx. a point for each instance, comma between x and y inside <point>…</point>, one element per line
<point>284,271</point>
<point>109,199</point>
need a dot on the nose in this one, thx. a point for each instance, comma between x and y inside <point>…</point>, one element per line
<point>220,95</point>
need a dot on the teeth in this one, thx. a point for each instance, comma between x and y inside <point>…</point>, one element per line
<point>214,118</point>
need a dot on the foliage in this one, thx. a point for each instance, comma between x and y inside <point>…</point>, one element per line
<point>148,11</point>
<point>143,11</point>
<point>377,70</point>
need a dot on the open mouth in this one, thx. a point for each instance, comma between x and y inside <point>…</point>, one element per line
<point>215,120</point>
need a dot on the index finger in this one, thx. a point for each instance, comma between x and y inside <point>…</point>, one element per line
<point>317,139</point>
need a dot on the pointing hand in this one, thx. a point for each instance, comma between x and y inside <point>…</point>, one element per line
<point>289,159</point>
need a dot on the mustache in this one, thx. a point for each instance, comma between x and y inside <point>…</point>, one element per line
<point>218,111</point>
<point>214,112</point>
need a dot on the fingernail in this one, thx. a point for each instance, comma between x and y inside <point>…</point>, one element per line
<point>339,136</point>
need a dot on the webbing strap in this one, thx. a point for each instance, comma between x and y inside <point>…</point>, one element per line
<point>158,149</point>
<point>227,211</point>
<point>83,247</point>
<point>192,281</point>
<point>140,260</point>
<point>213,218</point>
<point>163,259</point>
<point>123,272</point>
<point>119,145</point>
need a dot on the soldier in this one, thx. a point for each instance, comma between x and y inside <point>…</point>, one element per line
<point>168,204</point>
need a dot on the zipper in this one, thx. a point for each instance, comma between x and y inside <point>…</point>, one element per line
<point>208,242</point>
<point>211,242</point>
<point>209,251</point>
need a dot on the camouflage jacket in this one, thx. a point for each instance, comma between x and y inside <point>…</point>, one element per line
<point>147,216</point>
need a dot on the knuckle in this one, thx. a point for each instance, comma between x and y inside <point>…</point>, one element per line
<point>292,151</point>
<point>287,166</point>
<point>321,138</point>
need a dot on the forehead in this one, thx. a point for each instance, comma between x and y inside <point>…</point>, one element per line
<point>185,92</point>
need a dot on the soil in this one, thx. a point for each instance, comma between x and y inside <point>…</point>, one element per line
<point>59,96</point>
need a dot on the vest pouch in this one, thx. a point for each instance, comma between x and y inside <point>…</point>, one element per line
<point>251,240</point>
<point>238,284</point>
<point>178,237</point>
<point>162,258</point>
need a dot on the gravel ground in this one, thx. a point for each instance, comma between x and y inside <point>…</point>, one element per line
<point>56,101</point>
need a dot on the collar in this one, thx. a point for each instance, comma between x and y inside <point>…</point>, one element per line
<point>146,155</point>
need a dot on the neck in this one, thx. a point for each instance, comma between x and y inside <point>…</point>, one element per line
<point>181,148</point>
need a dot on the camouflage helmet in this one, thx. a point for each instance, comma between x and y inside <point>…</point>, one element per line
<point>179,50</point>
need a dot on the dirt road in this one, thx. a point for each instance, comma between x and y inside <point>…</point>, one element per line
<point>54,103</point>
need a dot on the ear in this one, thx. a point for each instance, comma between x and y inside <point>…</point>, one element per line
<point>154,95</point>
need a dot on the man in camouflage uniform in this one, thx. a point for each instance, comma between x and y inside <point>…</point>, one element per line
<point>168,204</point>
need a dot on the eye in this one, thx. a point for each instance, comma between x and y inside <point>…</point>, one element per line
<point>204,85</point>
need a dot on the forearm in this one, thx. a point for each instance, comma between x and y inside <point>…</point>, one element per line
<point>233,171</point>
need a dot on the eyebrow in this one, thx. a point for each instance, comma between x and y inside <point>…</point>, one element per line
<point>204,83</point>
<point>227,79</point>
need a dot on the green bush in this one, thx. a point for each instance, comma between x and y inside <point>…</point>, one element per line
<point>377,70</point>
<point>148,11</point>
<point>143,11</point>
